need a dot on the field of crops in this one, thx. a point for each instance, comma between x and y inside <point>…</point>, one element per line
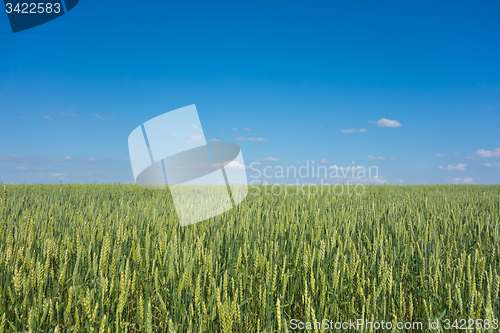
<point>112,258</point>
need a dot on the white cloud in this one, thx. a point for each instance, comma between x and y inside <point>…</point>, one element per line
<point>59,175</point>
<point>369,180</point>
<point>488,153</point>
<point>440,155</point>
<point>234,128</point>
<point>467,180</point>
<point>235,165</point>
<point>194,126</point>
<point>374,180</point>
<point>347,131</point>
<point>101,117</point>
<point>68,113</point>
<point>195,138</point>
<point>361,180</point>
<point>213,140</point>
<point>371,157</point>
<point>323,161</point>
<point>247,129</point>
<point>67,157</point>
<point>492,165</point>
<point>251,139</point>
<point>383,122</point>
<point>21,168</point>
<point>270,158</point>
<point>30,160</point>
<point>47,117</point>
<point>392,158</point>
<point>458,167</point>
<point>92,159</point>
<point>456,153</point>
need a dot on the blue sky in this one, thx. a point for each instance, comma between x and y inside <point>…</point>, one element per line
<point>412,79</point>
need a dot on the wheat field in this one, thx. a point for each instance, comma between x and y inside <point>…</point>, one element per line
<point>112,258</point>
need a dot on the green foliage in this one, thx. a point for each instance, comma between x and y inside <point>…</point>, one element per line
<point>112,258</point>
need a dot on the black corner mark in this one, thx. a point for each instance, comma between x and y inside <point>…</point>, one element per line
<point>27,14</point>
